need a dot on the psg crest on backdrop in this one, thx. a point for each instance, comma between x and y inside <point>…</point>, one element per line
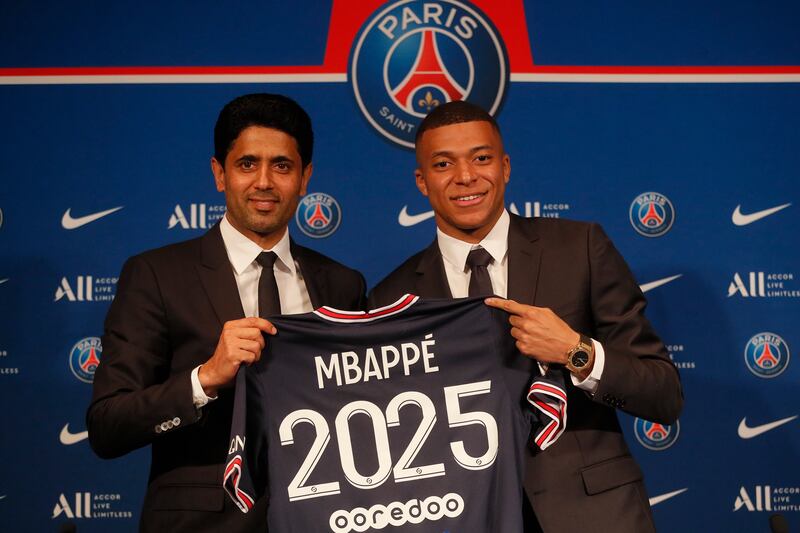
<point>655,436</point>
<point>410,57</point>
<point>766,355</point>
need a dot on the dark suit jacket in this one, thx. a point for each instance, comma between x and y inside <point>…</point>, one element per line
<point>166,319</point>
<point>587,481</point>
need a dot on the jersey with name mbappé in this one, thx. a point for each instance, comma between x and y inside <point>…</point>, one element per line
<point>413,417</point>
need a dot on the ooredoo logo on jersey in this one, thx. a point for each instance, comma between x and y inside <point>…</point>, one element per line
<point>411,56</point>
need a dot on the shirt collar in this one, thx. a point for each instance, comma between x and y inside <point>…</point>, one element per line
<point>242,252</point>
<point>455,251</point>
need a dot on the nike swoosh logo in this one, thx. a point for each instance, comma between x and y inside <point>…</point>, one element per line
<point>3,497</point>
<point>410,220</point>
<point>4,280</point>
<point>67,222</point>
<point>657,283</point>
<point>658,499</point>
<point>68,438</point>
<point>747,432</point>
<point>742,220</point>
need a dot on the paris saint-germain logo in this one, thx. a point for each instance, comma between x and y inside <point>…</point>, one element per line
<point>652,214</point>
<point>413,56</point>
<point>766,355</point>
<point>318,215</point>
<point>655,436</point>
<point>84,358</point>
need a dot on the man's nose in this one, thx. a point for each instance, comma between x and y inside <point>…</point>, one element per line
<point>465,174</point>
<point>263,178</point>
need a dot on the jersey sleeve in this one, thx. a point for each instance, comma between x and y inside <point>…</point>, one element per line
<point>245,479</point>
<point>548,398</point>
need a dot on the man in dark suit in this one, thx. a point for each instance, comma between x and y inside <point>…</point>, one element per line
<point>573,305</point>
<point>186,316</point>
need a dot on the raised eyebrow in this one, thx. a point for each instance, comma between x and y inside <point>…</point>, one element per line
<point>281,159</point>
<point>447,153</point>
<point>442,153</point>
<point>481,147</point>
<point>248,157</point>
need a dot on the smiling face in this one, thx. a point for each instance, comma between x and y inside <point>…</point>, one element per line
<point>262,178</point>
<point>463,170</point>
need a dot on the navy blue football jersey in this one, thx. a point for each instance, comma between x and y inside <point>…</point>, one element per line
<point>412,417</point>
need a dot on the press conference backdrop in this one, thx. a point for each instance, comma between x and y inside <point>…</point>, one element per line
<point>675,125</point>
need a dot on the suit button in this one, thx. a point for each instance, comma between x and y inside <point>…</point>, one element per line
<point>158,428</point>
<point>170,425</point>
<point>176,421</point>
<point>164,426</point>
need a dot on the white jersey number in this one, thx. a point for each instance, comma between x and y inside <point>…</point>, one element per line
<point>403,469</point>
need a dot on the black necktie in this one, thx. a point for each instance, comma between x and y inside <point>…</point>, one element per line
<point>480,284</point>
<point>269,303</point>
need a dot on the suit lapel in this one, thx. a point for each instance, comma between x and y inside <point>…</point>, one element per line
<point>524,258</point>
<point>216,275</point>
<point>431,279</point>
<point>313,276</point>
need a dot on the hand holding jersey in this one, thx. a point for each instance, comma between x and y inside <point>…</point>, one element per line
<point>540,333</point>
<point>240,342</point>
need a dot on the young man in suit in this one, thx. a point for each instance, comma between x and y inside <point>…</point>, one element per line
<point>573,304</point>
<point>186,316</point>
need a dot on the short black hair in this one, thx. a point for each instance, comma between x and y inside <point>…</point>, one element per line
<point>456,112</point>
<point>267,110</point>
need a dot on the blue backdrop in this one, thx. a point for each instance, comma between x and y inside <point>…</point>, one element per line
<point>113,106</point>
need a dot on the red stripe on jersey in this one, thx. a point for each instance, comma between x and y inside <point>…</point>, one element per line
<point>360,316</point>
<point>544,435</point>
<point>548,389</point>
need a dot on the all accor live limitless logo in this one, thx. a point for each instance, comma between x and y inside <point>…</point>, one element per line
<point>86,288</point>
<point>195,216</point>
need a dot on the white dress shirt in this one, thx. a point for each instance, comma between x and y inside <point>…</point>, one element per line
<point>454,254</point>
<point>242,253</point>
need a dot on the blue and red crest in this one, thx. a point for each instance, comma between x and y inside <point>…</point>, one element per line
<point>766,355</point>
<point>655,436</point>
<point>318,215</point>
<point>84,358</point>
<point>652,214</point>
<point>412,56</point>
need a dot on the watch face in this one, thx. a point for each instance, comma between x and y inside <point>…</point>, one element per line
<point>579,359</point>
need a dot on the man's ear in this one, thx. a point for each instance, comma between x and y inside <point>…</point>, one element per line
<point>506,167</point>
<point>219,174</point>
<point>305,178</point>
<point>421,184</point>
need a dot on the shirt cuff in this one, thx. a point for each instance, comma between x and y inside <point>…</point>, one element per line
<point>592,381</point>
<point>199,397</point>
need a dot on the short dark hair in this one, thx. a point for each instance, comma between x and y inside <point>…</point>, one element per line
<point>268,110</point>
<point>456,112</point>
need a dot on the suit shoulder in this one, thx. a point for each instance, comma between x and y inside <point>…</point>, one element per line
<point>558,229</point>
<point>403,272</point>
<point>170,253</point>
<point>323,261</point>
<point>396,282</point>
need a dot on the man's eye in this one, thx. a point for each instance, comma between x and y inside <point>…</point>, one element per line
<point>282,166</point>
<point>483,158</point>
<point>440,164</point>
<point>248,165</point>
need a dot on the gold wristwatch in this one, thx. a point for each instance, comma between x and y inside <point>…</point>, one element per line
<point>580,356</point>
